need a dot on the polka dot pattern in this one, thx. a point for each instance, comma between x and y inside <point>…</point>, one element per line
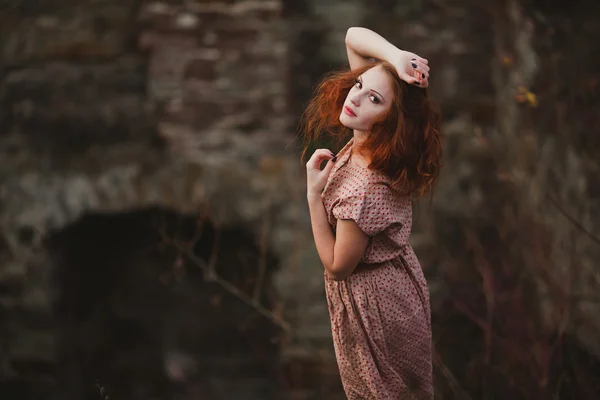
<point>380,315</point>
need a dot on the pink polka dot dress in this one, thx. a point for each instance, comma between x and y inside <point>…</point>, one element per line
<point>380,315</point>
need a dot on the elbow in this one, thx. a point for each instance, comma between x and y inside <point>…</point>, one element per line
<point>337,277</point>
<point>339,273</point>
<point>350,33</point>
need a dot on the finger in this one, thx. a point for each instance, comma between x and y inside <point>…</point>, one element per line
<point>317,158</point>
<point>417,58</point>
<point>422,83</point>
<point>329,166</point>
<point>416,78</point>
<point>316,161</point>
<point>423,66</point>
<point>324,152</point>
<point>423,74</point>
<point>407,77</point>
<point>321,152</point>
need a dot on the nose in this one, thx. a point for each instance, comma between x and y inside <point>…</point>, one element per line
<point>355,99</point>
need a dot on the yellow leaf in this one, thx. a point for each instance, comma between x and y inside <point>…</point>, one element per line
<point>531,99</point>
<point>526,96</point>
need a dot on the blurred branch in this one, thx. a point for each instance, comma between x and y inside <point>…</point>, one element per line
<point>576,223</point>
<point>487,278</point>
<point>262,261</point>
<point>458,391</point>
<point>232,289</point>
<point>209,269</point>
<point>576,297</point>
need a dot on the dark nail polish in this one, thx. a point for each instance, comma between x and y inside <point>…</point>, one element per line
<point>417,83</point>
<point>334,159</point>
<point>412,59</point>
<point>414,65</point>
<point>423,76</point>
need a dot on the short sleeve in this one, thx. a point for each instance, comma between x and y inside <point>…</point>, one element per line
<point>374,212</point>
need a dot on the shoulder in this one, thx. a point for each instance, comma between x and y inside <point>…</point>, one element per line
<point>376,181</point>
<point>381,192</point>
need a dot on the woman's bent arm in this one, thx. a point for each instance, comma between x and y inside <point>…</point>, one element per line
<point>322,233</point>
<point>339,254</point>
<point>363,44</point>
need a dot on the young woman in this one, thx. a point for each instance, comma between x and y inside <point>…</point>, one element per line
<point>361,214</point>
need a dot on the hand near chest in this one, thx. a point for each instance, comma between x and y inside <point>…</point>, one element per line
<point>316,178</point>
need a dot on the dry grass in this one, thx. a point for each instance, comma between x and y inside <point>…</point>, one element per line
<point>518,316</point>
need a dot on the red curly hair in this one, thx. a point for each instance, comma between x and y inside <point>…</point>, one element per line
<point>405,144</point>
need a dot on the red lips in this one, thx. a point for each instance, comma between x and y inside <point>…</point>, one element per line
<point>349,111</point>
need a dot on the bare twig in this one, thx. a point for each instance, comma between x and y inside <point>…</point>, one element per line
<point>262,261</point>
<point>576,223</point>
<point>232,289</point>
<point>198,233</point>
<point>211,268</point>
<point>482,324</point>
<point>459,392</point>
<point>210,273</point>
<point>487,277</point>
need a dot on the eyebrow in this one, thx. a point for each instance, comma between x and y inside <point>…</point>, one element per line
<point>372,90</point>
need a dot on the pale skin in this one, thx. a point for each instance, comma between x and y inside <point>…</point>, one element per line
<point>367,100</point>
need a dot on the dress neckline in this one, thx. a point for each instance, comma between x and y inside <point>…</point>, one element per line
<point>347,156</point>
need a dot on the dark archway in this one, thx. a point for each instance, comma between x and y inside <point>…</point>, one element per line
<point>137,317</point>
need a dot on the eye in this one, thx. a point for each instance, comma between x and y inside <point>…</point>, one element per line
<point>357,84</point>
<point>374,99</point>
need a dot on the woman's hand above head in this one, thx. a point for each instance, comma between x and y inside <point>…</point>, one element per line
<point>363,44</point>
<point>412,68</point>
<point>316,178</point>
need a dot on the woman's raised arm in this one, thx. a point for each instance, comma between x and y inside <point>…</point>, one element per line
<point>362,44</point>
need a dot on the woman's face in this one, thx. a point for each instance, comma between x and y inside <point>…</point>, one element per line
<point>369,99</point>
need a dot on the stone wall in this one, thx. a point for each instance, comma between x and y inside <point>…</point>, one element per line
<point>115,107</point>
